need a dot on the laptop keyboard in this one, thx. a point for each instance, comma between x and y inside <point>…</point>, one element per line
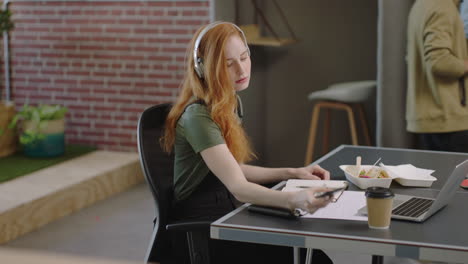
<point>414,207</point>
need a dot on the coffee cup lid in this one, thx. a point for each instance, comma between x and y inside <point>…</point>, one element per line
<point>379,192</point>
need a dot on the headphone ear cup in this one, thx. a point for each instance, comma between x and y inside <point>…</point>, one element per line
<point>201,68</point>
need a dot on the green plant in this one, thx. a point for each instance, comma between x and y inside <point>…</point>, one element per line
<point>39,115</point>
<point>5,20</point>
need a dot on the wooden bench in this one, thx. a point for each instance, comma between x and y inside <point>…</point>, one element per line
<point>34,200</point>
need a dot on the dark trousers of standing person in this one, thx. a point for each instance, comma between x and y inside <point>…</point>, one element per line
<point>210,202</point>
<point>450,141</point>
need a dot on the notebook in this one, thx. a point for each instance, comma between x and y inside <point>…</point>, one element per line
<point>298,185</point>
<point>418,209</point>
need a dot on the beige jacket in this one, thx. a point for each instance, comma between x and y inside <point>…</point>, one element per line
<point>436,52</point>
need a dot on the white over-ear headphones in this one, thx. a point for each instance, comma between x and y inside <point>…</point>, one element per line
<point>197,61</point>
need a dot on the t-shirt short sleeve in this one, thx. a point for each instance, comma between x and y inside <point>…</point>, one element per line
<point>199,128</point>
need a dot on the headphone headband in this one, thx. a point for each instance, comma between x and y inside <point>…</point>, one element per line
<point>198,62</point>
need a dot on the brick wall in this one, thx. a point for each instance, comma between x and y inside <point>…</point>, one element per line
<point>105,61</point>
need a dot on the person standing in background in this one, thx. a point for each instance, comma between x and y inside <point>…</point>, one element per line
<point>437,64</point>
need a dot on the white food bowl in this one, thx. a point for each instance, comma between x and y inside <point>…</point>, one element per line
<point>363,183</point>
<point>407,175</point>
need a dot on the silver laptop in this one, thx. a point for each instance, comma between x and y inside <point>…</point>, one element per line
<point>418,209</point>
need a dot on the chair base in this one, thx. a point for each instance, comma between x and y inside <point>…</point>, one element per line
<point>327,106</point>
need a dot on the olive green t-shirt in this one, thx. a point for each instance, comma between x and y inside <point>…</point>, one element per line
<point>195,132</point>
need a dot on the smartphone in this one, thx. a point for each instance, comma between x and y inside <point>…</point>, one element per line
<point>329,193</point>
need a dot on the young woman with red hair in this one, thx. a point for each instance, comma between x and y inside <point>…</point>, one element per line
<point>211,148</point>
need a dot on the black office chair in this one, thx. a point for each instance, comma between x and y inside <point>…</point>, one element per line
<point>158,169</point>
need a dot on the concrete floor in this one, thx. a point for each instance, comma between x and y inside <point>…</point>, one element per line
<point>120,228</point>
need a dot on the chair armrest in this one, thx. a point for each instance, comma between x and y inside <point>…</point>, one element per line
<point>188,226</point>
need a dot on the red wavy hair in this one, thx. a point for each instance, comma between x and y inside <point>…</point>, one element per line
<point>215,90</point>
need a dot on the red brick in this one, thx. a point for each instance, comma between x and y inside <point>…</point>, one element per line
<point>90,47</point>
<point>76,21</point>
<point>119,100</point>
<point>63,81</point>
<point>146,31</point>
<point>173,49</point>
<point>159,22</point>
<point>51,71</point>
<point>39,80</point>
<point>131,21</point>
<point>190,22</point>
<point>160,76</point>
<point>105,74</point>
<point>79,73</point>
<point>93,99</point>
<point>79,90</point>
<point>65,46</point>
<point>77,56</point>
<point>132,75</point>
<point>24,37</point>
<point>103,21</point>
<point>117,12</point>
<point>51,55</point>
<point>175,31</point>
<point>105,108</point>
<point>92,82</point>
<point>63,30</point>
<point>77,38</point>
<point>79,107</point>
<point>65,98</point>
<point>105,56</point>
<point>120,135</point>
<point>158,13</point>
<point>190,4</point>
<point>93,133</point>
<point>118,30</point>
<point>103,91</point>
<point>79,124</point>
<point>51,38</point>
<point>114,83</point>
<point>161,4</point>
<point>132,57</point>
<point>90,30</point>
<point>103,125</point>
<point>131,40</point>
<point>203,13</point>
<point>52,89</point>
<point>50,20</point>
<point>42,12</point>
<point>132,109</point>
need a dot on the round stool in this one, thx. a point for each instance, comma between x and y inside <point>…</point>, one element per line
<point>340,96</point>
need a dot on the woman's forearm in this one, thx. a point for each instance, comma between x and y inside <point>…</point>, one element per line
<point>253,193</point>
<point>263,175</point>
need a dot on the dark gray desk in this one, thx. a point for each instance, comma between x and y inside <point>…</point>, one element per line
<point>443,237</point>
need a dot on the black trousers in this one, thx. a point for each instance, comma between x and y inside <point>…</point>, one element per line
<point>450,141</point>
<point>211,201</point>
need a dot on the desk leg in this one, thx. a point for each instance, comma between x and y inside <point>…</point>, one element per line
<point>377,259</point>
<point>310,252</point>
<point>297,255</point>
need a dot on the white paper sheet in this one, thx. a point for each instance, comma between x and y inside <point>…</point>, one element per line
<point>295,185</point>
<point>345,208</point>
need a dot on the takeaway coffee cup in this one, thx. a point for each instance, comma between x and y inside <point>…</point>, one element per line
<point>379,207</point>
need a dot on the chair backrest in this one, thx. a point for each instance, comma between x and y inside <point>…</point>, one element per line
<point>158,169</point>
